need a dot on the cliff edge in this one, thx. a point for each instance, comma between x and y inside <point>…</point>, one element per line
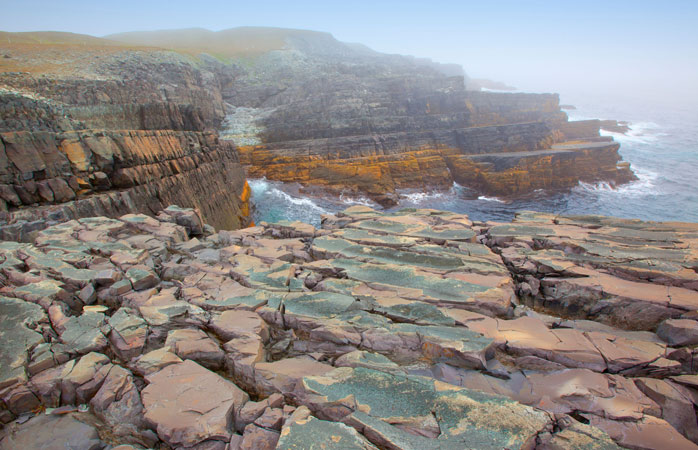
<point>304,107</point>
<point>92,127</point>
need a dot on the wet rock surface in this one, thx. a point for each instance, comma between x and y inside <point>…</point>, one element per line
<point>411,330</point>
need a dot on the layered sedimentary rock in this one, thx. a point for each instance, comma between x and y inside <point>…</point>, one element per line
<point>627,273</point>
<point>59,176</point>
<point>306,108</point>
<point>302,107</point>
<point>411,330</point>
<point>376,125</point>
<point>98,128</point>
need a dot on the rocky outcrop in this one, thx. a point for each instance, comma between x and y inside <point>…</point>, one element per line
<point>412,330</point>
<point>112,130</point>
<point>59,176</point>
<point>378,133</point>
<point>627,273</point>
<point>306,108</point>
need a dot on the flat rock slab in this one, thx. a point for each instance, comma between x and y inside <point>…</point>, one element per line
<point>315,434</point>
<point>428,227</point>
<point>187,404</point>
<point>628,273</point>
<point>17,338</point>
<point>51,432</point>
<point>314,304</point>
<point>85,333</point>
<point>406,412</point>
<point>401,330</point>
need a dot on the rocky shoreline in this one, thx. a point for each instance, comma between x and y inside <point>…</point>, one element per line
<point>132,125</point>
<point>130,324</point>
<point>412,330</point>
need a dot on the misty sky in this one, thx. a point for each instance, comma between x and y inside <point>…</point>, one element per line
<point>606,46</point>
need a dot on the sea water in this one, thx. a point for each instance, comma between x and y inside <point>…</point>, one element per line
<point>661,147</point>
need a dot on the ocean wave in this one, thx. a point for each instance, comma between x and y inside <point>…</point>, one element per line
<point>357,201</point>
<point>421,197</point>
<point>418,198</point>
<point>262,188</point>
<point>640,133</point>
<point>298,201</point>
<point>576,118</point>
<point>644,185</point>
<point>490,199</point>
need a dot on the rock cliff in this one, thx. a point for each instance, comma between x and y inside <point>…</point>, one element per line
<point>104,129</point>
<point>305,107</point>
<point>301,106</point>
<point>409,331</point>
<point>355,121</point>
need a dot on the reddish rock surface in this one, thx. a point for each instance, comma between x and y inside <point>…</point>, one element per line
<point>400,331</point>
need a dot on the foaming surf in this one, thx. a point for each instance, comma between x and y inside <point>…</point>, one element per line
<point>364,201</point>
<point>490,199</point>
<point>644,185</point>
<point>273,203</point>
<point>412,198</point>
<point>636,135</point>
<point>660,147</point>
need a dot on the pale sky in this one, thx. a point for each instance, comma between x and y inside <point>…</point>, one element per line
<point>630,47</point>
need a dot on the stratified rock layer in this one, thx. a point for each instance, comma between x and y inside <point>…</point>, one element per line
<point>392,331</point>
<point>304,107</point>
<point>376,126</point>
<point>94,128</point>
<point>61,176</point>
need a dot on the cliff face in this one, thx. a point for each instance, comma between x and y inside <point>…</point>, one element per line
<point>80,173</point>
<point>301,107</point>
<point>351,121</point>
<point>113,130</point>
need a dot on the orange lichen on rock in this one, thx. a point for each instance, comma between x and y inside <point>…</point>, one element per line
<point>375,174</point>
<point>436,168</point>
<point>245,200</point>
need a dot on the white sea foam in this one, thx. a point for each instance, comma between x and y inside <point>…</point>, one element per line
<point>356,201</point>
<point>258,185</point>
<point>262,186</point>
<point>640,133</point>
<point>490,199</point>
<point>644,185</point>
<point>297,201</point>
<point>576,118</point>
<point>422,197</point>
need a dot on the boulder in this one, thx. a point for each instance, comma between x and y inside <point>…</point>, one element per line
<point>52,432</point>
<point>187,404</point>
<point>679,332</point>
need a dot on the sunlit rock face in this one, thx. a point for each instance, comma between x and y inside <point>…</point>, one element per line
<point>411,330</point>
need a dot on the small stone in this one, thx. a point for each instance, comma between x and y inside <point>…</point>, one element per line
<point>107,277</point>
<point>155,361</point>
<point>142,277</point>
<point>270,419</point>
<point>88,294</point>
<point>256,438</point>
<point>679,332</point>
